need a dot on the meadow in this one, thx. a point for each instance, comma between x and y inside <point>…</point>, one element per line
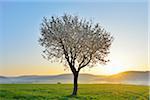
<point>63,91</point>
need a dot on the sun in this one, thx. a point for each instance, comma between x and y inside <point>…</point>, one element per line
<point>107,70</point>
<point>114,67</point>
<point>110,70</point>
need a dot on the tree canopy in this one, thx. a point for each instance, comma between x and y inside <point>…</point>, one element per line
<point>76,42</point>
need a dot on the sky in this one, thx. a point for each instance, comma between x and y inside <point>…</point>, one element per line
<point>20,52</point>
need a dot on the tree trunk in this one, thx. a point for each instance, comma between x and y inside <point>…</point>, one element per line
<point>75,89</point>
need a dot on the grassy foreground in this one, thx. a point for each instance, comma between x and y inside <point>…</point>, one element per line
<point>62,91</point>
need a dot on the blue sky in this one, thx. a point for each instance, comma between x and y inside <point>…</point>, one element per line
<point>20,52</point>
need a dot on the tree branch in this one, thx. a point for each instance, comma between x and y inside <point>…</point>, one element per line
<point>82,61</point>
<point>67,58</point>
<point>85,63</point>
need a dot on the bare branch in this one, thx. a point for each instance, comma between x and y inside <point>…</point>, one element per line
<point>80,67</point>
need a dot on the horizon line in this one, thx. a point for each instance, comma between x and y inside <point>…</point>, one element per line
<point>71,74</point>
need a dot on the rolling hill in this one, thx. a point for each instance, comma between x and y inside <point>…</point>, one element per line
<point>129,77</point>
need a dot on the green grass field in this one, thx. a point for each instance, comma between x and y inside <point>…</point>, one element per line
<point>63,91</point>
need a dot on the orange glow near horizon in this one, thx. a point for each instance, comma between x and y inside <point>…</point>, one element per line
<point>48,70</point>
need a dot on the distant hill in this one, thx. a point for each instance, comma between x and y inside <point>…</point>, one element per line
<point>129,77</point>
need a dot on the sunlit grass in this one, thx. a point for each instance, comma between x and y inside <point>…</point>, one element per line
<point>63,91</point>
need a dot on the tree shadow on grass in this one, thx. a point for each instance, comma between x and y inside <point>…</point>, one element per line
<point>78,97</point>
<point>70,97</point>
